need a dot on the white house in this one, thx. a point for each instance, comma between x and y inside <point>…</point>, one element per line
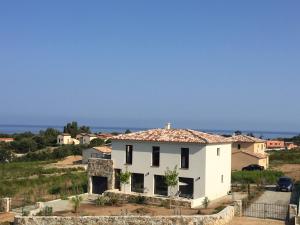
<point>66,139</point>
<point>102,152</point>
<point>203,161</point>
<point>85,138</point>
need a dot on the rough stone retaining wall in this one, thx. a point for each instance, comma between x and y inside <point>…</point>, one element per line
<point>151,200</point>
<point>220,218</point>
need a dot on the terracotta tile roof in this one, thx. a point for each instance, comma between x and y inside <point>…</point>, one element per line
<point>65,134</point>
<point>7,139</point>
<point>256,155</point>
<point>245,138</point>
<point>104,136</point>
<point>104,149</point>
<point>173,135</point>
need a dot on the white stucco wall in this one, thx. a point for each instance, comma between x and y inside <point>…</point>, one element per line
<point>216,166</point>
<point>204,167</point>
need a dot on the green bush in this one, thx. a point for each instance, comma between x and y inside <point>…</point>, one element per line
<point>113,200</point>
<point>139,199</point>
<point>101,201</point>
<point>256,177</point>
<point>47,211</point>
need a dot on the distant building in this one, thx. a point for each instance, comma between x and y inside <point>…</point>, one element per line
<point>275,145</point>
<point>66,139</point>
<point>6,139</point>
<point>85,138</point>
<point>247,150</point>
<point>290,145</point>
<point>102,152</point>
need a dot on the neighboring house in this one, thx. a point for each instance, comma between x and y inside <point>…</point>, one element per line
<point>275,145</point>
<point>103,152</point>
<point>66,139</point>
<point>290,145</point>
<point>247,150</point>
<point>6,139</point>
<point>85,138</point>
<point>203,161</point>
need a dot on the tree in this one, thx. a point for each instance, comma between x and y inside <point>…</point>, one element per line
<point>84,129</point>
<point>6,154</point>
<point>24,145</point>
<point>71,128</point>
<point>76,201</point>
<point>238,132</point>
<point>96,142</point>
<point>127,131</point>
<point>124,178</point>
<point>251,134</point>
<point>171,180</point>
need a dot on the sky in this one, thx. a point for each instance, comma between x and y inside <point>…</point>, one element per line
<point>197,64</point>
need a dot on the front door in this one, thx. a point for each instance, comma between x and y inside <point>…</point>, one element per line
<point>99,184</point>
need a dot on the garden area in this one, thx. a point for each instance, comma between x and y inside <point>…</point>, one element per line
<point>29,182</point>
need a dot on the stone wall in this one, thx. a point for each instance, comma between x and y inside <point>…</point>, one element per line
<point>220,218</point>
<point>102,168</point>
<point>151,200</point>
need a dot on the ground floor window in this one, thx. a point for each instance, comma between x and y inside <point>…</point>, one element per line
<point>117,179</point>
<point>186,187</point>
<point>160,186</point>
<point>137,182</point>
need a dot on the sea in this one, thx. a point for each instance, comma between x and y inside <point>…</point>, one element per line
<point>11,129</point>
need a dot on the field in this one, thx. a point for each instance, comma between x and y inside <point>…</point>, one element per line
<point>28,182</point>
<point>285,157</point>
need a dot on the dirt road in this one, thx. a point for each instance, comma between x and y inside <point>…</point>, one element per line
<point>254,221</point>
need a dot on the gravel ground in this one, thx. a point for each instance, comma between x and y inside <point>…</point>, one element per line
<point>274,197</point>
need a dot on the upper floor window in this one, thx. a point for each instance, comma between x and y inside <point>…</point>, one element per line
<point>129,154</point>
<point>222,178</point>
<point>218,151</point>
<point>155,155</point>
<point>239,146</point>
<point>185,158</point>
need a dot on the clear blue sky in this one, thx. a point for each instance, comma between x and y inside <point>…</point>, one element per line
<point>198,64</point>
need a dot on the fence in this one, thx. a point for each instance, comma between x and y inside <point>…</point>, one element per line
<point>266,210</point>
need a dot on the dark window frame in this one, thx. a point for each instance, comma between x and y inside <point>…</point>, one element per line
<point>129,154</point>
<point>136,185</point>
<point>155,156</point>
<point>185,158</point>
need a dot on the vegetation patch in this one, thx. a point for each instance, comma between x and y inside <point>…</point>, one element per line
<point>256,177</point>
<point>285,157</point>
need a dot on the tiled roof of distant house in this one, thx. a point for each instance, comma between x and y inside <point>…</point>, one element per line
<point>6,139</point>
<point>103,149</point>
<point>254,154</point>
<point>65,134</point>
<point>173,135</point>
<point>245,138</point>
<point>104,136</point>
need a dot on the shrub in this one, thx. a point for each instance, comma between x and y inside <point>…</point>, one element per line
<point>101,201</point>
<point>113,200</point>
<point>256,177</point>
<point>47,211</point>
<point>139,199</point>
<point>205,202</point>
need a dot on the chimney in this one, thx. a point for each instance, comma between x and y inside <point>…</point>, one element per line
<point>168,126</point>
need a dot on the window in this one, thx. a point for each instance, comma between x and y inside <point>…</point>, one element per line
<point>128,154</point>
<point>160,186</point>
<point>222,178</point>
<point>137,182</point>
<point>186,187</point>
<point>218,151</point>
<point>155,156</point>
<point>185,158</point>
<point>117,179</point>
<point>239,146</point>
